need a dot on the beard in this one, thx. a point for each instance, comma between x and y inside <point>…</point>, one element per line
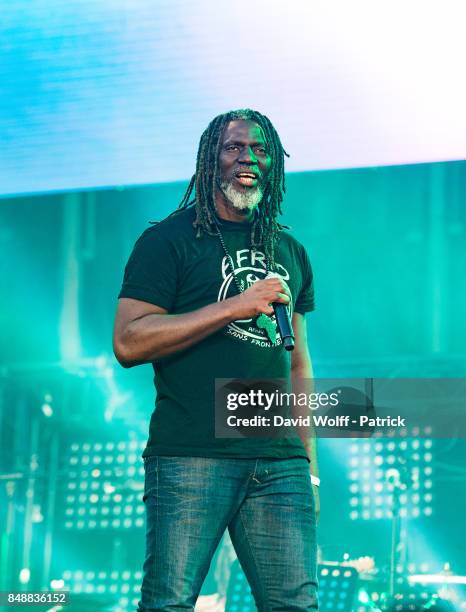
<point>242,200</point>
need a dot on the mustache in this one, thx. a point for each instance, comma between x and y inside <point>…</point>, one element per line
<point>247,170</point>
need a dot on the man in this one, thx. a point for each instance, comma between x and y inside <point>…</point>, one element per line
<point>195,302</point>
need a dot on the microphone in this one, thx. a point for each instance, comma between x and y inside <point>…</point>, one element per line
<point>392,476</point>
<point>283,320</point>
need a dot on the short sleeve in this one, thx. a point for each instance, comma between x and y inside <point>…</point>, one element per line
<point>151,272</point>
<point>305,300</point>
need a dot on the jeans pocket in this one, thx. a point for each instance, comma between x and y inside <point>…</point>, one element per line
<point>151,476</point>
<point>151,463</point>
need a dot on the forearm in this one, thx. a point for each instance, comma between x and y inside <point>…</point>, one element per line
<point>302,382</point>
<point>157,335</point>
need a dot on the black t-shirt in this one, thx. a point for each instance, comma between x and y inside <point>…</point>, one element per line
<point>171,268</point>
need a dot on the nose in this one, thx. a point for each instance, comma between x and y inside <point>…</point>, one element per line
<point>247,156</point>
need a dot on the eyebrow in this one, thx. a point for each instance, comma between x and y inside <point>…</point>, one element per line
<point>242,143</point>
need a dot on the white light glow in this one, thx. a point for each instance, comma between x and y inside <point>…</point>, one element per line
<point>354,90</point>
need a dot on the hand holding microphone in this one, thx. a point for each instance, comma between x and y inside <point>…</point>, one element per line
<point>265,297</point>
<point>282,316</point>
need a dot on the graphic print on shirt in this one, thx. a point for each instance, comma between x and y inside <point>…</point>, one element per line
<point>250,266</point>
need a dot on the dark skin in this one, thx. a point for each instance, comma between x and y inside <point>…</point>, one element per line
<point>244,150</point>
<point>145,332</point>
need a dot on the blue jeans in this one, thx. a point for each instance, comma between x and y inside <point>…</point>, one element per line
<point>267,506</point>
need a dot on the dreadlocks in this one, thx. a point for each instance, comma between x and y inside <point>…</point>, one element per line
<point>265,228</point>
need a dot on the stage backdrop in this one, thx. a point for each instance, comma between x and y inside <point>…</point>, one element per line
<point>387,246</point>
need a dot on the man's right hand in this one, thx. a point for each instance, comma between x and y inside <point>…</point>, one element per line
<point>144,332</point>
<point>259,297</point>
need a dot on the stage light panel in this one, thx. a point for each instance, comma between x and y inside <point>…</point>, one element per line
<point>98,496</point>
<point>122,587</point>
<point>372,470</point>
